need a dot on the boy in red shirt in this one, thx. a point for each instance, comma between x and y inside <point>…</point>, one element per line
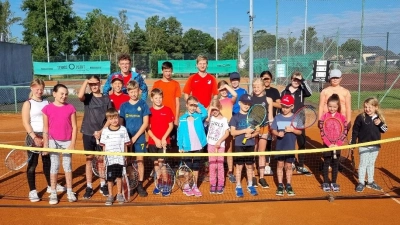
<point>118,97</point>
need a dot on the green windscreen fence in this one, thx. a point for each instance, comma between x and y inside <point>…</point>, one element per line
<point>189,66</point>
<point>260,65</point>
<point>302,63</point>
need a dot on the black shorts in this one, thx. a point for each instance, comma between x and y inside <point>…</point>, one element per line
<point>113,172</point>
<point>240,160</point>
<point>154,149</point>
<point>286,158</point>
<point>89,143</point>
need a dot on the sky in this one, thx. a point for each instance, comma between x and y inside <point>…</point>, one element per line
<point>329,17</point>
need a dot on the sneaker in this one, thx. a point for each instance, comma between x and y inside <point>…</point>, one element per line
<point>360,187</point>
<point>263,183</point>
<point>104,190</point>
<point>279,191</point>
<point>232,178</point>
<point>289,190</point>
<point>213,189</point>
<point>268,171</point>
<point>59,188</point>
<point>304,171</point>
<point>71,197</point>
<point>326,187</point>
<point>220,190</point>
<point>53,200</point>
<point>88,194</point>
<point>335,187</point>
<point>239,192</point>
<point>252,190</point>
<point>33,196</point>
<point>156,191</point>
<point>196,192</point>
<point>165,193</point>
<point>109,200</point>
<point>255,184</point>
<point>374,186</point>
<point>141,191</point>
<point>188,192</point>
<point>293,166</point>
<point>120,199</point>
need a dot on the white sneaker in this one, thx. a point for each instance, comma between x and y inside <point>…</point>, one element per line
<point>268,171</point>
<point>53,200</point>
<point>59,188</point>
<point>71,196</point>
<point>33,196</point>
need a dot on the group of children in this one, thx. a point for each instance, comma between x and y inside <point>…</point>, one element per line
<point>119,123</point>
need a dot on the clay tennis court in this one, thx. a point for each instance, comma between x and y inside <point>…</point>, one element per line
<point>310,205</point>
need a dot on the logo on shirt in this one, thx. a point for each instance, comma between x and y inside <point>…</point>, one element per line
<point>121,136</point>
<point>196,81</point>
<point>209,82</point>
<point>163,114</point>
<point>139,109</point>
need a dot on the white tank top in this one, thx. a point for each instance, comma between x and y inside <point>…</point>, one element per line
<point>36,116</point>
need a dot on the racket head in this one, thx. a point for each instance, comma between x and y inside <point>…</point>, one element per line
<point>30,142</point>
<point>98,166</point>
<point>165,181</point>
<point>304,118</point>
<point>16,159</point>
<point>126,192</point>
<point>333,129</point>
<point>184,176</point>
<point>256,115</point>
<point>133,176</point>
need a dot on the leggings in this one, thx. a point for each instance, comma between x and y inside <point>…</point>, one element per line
<point>55,157</point>
<point>216,164</point>
<point>31,171</point>
<point>368,157</point>
<point>328,160</point>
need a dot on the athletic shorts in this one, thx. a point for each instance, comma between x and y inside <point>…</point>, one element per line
<point>89,143</point>
<point>286,158</point>
<point>240,160</point>
<point>154,149</point>
<point>264,131</point>
<point>138,148</point>
<point>113,172</point>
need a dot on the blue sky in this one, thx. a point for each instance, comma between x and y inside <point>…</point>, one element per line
<point>327,16</point>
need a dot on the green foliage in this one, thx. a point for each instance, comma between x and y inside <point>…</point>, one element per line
<point>7,19</point>
<point>350,49</point>
<point>197,42</point>
<point>154,57</point>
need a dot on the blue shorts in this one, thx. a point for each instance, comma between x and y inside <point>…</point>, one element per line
<point>138,148</point>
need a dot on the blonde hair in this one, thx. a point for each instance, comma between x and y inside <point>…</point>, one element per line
<point>295,74</point>
<point>222,82</point>
<point>201,57</point>
<point>374,102</point>
<point>132,85</point>
<point>156,91</point>
<point>35,82</point>
<point>258,80</point>
<point>191,98</point>
<point>216,103</point>
<point>111,113</point>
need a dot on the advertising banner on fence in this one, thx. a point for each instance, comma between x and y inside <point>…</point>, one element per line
<point>189,66</point>
<point>71,68</point>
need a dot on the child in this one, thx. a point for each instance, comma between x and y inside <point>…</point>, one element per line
<point>160,126</point>
<point>235,83</point>
<point>240,130</point>
<point>218,133</point>
<point>261,141</point>
<point>286,140</point>
<point>226,110</point>
<point>114,138</point>
<point>299,89</point>
<point>368,126</point>
<point>117,97</point>
<point>135,115</point>
<point>192,138</point>
<point>32,121</point>
<point>59,128</point>
<point>333,111</point>
<point>95,106</point>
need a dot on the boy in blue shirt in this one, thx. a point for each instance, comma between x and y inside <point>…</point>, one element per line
<point>286,140</point>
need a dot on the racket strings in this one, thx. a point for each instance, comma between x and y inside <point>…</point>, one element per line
<point>305,117</point>
<point>256,115</point>
<point>333,129</point>
<point>16,159</point>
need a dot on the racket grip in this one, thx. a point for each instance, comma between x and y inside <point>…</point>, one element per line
<point>97,141</point>
<point>334,154</point>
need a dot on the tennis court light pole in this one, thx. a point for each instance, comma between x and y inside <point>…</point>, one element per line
<point>216,33</point>
<point>305,30</point>
<point>251,70</point>
<point>47,33</point>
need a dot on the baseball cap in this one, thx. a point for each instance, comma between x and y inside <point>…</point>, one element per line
<point>117,77</point>
<point>287,100</point>
<point>234,75</point>
<point>335,73</point>
<point>246,98</point>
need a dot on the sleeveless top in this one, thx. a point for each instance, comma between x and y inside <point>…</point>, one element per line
<point>227,106</point>
<point>36,115</point>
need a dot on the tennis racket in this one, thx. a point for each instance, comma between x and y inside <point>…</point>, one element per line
<point>133,176</point>
<point>98,166</point>
<point>16,159</point>
<point>255,117</point>
<point>126,192</point>
<point>304,118</point>
<point>333,129</point>
<point>164,180</point>
<point>184,176</point>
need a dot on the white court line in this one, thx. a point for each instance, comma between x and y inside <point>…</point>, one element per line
<point>11,132</point>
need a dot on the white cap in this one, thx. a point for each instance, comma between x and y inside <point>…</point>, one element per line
<point>335,73</point>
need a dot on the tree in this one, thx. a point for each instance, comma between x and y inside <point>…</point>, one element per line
<point>350,49</point>
<point>197,42</point>
<point>311,38</point>
<point>62,26</point>
<point>263,40</point>
<point>7,19</point>
<point>229,45</point>
<point>137,39</point>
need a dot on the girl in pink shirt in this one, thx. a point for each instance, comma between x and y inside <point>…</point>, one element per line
<point>60,129</point>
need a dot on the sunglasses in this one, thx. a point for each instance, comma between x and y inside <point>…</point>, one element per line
<point>193,105</point>
<point>266,78</point>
